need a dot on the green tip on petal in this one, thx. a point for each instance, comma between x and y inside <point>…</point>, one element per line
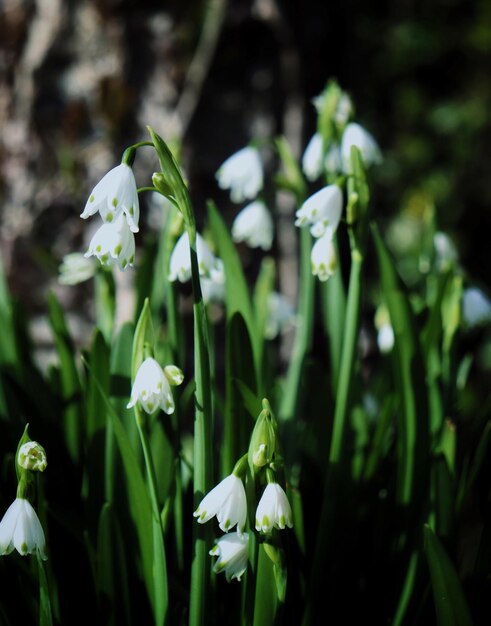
<point>115,202</point>
<point>92,198</point>
<point>109,217</point>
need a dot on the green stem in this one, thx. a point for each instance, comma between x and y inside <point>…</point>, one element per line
<point>303,338</point>
<point>331,494</point>
<point>160,566</point>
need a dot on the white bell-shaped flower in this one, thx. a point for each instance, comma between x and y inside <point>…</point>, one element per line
<point>180,260</point>
<point>242,173</point>
<point>21,529</point>
<point>323,258</point>
<point>228,502</point>
<point>445,252</point>
<point>312,158</point>
<point>281,314</point>
<point>213,288</point>
<point>476,307</point>
<point>273,510</point>
<point>322,211</point>
<point>232,553</point>
<point>76,268</point>
<point>113,243</point>
<point>254,226</point>
<point>356,135</point>
<point>114,195</point>
<point>385,338</point>
<point>151,388</point>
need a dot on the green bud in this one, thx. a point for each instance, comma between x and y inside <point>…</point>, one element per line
<point>32,456</point>
<point>162,184</point>
<point>173,374</point>
<point>263,440</point>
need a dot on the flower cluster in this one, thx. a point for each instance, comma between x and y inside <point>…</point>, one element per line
<point>227,501</point>
<point>115,198</point>
<point>321,212</point>
<point>242,174</point>
<point>20,528</point>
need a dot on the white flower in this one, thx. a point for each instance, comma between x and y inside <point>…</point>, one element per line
<point>213,288</point>
<point>75,268</point>
<point>385,338</point>
<point>445,251</point>
<point>344,109</point>
<point>273,510</point>
<point>280,315</point>
<point>32,456</point>
<point>151,387</point>
<point>476,307</point>
<point>322,211</point>
<point>242,173</point>
<point>21,529</point>
<point>323,258</point>
<point>232,555</point>
<point>356,135</point>
<point>180,260</point>
<point>114,195</point>
<point>254,226</point>
<point>113,243</point>
<point>312,158</point>
<point>228,502</point>
<point>332,162</point>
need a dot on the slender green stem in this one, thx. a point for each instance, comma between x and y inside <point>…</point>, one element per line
<point>303,338</point>
<point>331,495</point>
<point>160,566</point>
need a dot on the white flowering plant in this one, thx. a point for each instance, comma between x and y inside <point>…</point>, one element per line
<point>273,367</point>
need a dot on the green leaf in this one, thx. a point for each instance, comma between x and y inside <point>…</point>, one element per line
<point>45,614</point>
<point>237,423</point>
<point>139,501</point>
<point>450,602</point>
<point>143,335</point>
<point>70,382</point>
<point>112,570</point>
<point>292,179</point>
<point>409,378</point>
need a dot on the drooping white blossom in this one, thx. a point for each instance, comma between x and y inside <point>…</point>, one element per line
<point>228,502</point>
<point>312,161</point>
<point>180,260</point>
<point>254,226</point>
<point>113,243</point>
<point>21,529</point>
<point>213,287</point>
<point>323,257</point>
<point>76,268</point>
<point>356,135</point>
<point>445,251</point>
<point>232,553</point>
<point>242,173</point>
<point>476,307</point>
<point>273,510</point>
<point>280,315</point>
<point>115,194</point>
<point>385,338</point>
<point>151,387</point>
<point>322,211</point>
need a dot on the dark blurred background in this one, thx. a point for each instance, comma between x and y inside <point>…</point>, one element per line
<point>81,79</point>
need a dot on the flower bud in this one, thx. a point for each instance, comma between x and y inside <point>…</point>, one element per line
<point>160,182</point>
<point>173,374</point>
<point>32,456</point>
<point>263,440</point>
